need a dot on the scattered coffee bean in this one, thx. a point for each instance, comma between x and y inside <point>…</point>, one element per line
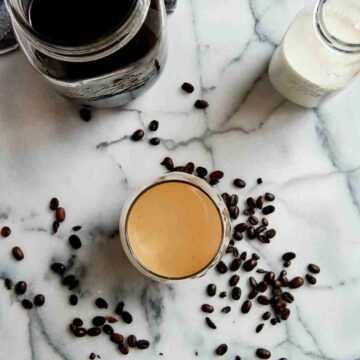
<point>234,212</point>
<point>108,329</point>
<point>75,242</point>
<point>251,233</point>
<point>110,319</point>
<point>296,282</point>
<point>94,331</point>
<point>260,202</point>
<point>55,226</point>
<point>211,289</point>
<point>226,309</point>
<point>189,167</point>
<point>210,323</point>
<point>201,171</point>
<point>234,280</point>
<point>54,204</point>
<point>276,284</point>
<point>273,321</point>
<point>253,294</point>
<point>238,236</point>
<point>223,294</point>
<point>101,303</point>
<point>266,315</point>
<point>261,271</point>
<point>285,314</point>
<point>235,252</point>
<point>92,356</point>
<point>242,227</point>
<point>259,181</point>
<point>287,264</point>
<point>119,308</point>
<point>314,268</point>
<point>207,308</point>
<point>265,222</point>
<point>137,135</point>
<point>269,277</point>
<point>251,202</point>
<point>58,268</point>
<point>154,125</point>
<point>154,141</point>
<point>237,357</point>
<point>8,284</point>
<point>250,265</point>
<point>236,293</point>
<point>271,233</point>
<point>73,300</point>
<point>226,197</point>
<point>98,321</point>
<point>39,300</point>
<point>310,279</point>
<point>17,253</point>
<point>253,282</point>
<point>69,279</point>
<point>201,104</point>
<point>124,349</point>
<point>267,210</point>
<point>260,230</point>
<point>221,267</point>
<point>288,297</point>
<point>263,239</point>
<point>116,338</point>
<point>262,286</point>
<point>221,350</point>
<point>235,264</point>
<point>246,306</point>
<point>234,199</point>
<point>259,328</point>
<point>60,214</point>
<point>269,197</point>
<point>79,332</point>
<point>5,231</point>
<point>131,341</point>
<point>263,353</point>
<point>187,87</point>
<point>127,317</point>
<point>168,163</point>
<point>85,114</point>
<point>142,344</point>
<point>27,304</point>
<point>248,212</point>
<point>77,322</point>
<point>253,220</point>
<point>239,183</point>
<point>263,300</point>
<point>289,256</point>
<point>284,280</point>
<point>243,255</point>
<point>255,256</point>
<point>20,288</point>
<point>216,175</point>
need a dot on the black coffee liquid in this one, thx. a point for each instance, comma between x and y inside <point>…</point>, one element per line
<point>76,22</point>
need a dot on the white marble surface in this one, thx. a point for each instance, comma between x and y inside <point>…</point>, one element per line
<point>310,159</point>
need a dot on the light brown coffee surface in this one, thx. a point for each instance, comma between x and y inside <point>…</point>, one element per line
<point>174,229</point>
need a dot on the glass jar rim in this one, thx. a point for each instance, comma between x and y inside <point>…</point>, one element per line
<point>325,35</point>
<point>95,50</point>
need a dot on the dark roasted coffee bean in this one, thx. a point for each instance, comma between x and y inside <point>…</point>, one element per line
<point>101,303</point>
<point>263,239</point>
<point>85,114</point>
<point>92,356</point>
<point>250,265</point>
<point>229,249</point>
<point>279,307</point>
<point>201,171</point>
<point>266,315</point>
<point>39,300</point>
<point>187,87</point>
<point>168,163</point>
<point>239,183</point>
<point>260,230</point>
<point>242,227</point>
<point>189,167</point>
<point>263,300</point>
<point>75,242</point>
<point>94,331</point>
<point>131,341</point>
<point>288,297</point>
<point>124,349</point>
<point>216,175</point>
<point>262,286</point>
<point>235,252</point>
<point>260,202</point>
<point>283,273</point>
<point>110,319</point>
<point>234,280</point>
<point>246,306</point>
<point>255,256</point>
<point>269,277</point>
<point>310,279</point>
<point>253,220</point>
<point>236,293</point>
<point>55,226</point>
<point>27,304</point>
<point>116,338</point>
<point>8,284</point>
<point>69,279</point>
<point>5,231</point>
<point>273,321</point>
<point>221,349</point>
<point>154,141</point>
<point>73,300</point>
<point>207,308</point>
<point>251,233</point>
<point>276,284</point>
<point>271,233</point>
<point>213,182</point>
<point>259,181</point>
<point>234,199</point>
<point>223,294</point>
<point>267,210</point>
<point>259,328</point>
<point>243,255</point>
<point>108,329</point>
<point>79,332</point>
<point>284,280</point>
<point>60,214</point>
<point>296,282</point>
<point>263,353</point>
<point>210,323</point>
<point>253,294</point>
<point>58,268</point>
<point>119,308</point>
<point>269,197</point>
<point>201,104</point>
<point>235,264</point>
<point>226,309</point>
<point>238,236</point>
<point>248,212</point>
<point>265,222</point>
<point>237,357</point>
<point>285,314</point>
<point>142,344</point>
<point>72,328</point>
<point>231,242</point>
<point>234,212</point>
<point>73,285</point>
<point>226,197</point>
<point>77,322</point>
<point>137,135</point>
<point>261,271</point>
<point>289,256</point>
<point>154,125</point>
<point>251,203</point>
<point>314,268</point>
<point>17,253</point>
<point>211,289</point>
<point>54,204</point>
<point>221,267</point>
<point>127,317</point>
<point>287,264</point>
<point>98,321</point>
<point>20,288</point>
<point>253,282</point>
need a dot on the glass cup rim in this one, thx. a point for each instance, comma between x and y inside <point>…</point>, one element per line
<point>181,177</point>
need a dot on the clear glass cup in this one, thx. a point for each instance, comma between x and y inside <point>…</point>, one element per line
<point>201,184</point>
<point>111,70</point>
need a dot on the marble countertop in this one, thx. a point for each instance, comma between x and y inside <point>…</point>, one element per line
<point>309,158</point>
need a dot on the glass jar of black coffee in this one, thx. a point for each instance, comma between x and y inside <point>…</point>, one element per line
<point>96,53</point>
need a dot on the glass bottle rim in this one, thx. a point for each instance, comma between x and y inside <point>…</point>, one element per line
<point>94,50</point>
<point>326,36</point>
